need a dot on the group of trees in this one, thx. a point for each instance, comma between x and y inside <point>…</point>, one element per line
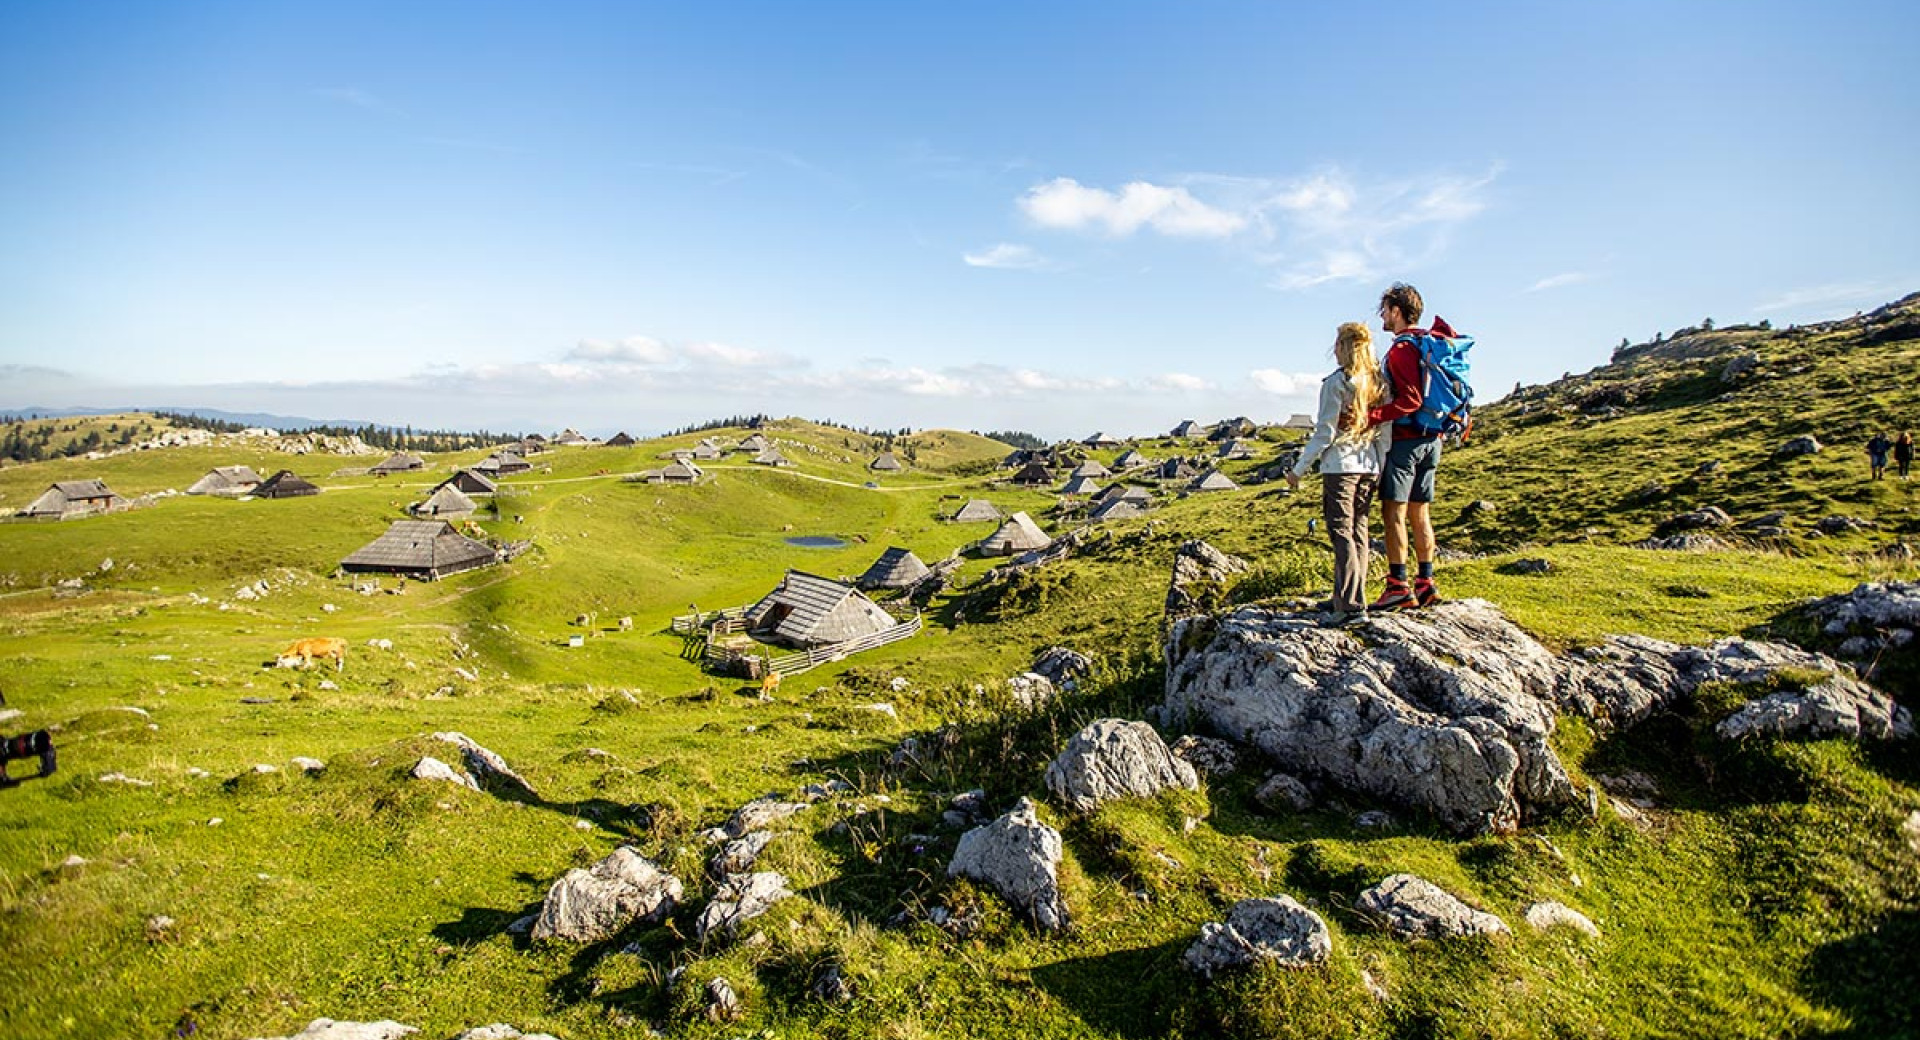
<point>1016,438</point>
<point>28,440</point>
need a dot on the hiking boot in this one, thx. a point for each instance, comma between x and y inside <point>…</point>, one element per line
<point>1424,594</point>
<point>1397,596</point>
<point>1343,618</point>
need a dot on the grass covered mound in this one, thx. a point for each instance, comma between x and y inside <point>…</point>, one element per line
<point>1759,889</point>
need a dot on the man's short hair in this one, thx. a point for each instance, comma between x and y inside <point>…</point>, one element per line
<point>1405,297</point>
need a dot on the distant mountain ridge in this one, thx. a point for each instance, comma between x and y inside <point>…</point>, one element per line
<point>264,419</point>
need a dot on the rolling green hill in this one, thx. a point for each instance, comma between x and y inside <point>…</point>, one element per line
<point>357,893</point>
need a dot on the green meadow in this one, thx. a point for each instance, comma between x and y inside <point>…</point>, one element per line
<point>1770,890</point>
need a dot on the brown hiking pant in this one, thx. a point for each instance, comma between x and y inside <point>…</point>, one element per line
<point>1346,499</point>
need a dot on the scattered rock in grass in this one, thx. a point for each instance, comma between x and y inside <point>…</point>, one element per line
<point>1691,541</point>
<point>1276,930</point>
<point>1873,605</point>
<point>1838,707</point>
<point>1200,572</point>
<point>9,714</point>
<point>1477,508</point>
<point>1836,525</point>
<point>1114,758</point>
<point>723,1005</point>
<point>1911,828</point>
<point>757,814</point>
<point>1374,820</point>
<point>430,768</point>
<point>197,773</point>
<point>1699,519</point>
<point>1018,857</point>
<point>1374,989</point>
<point>489,770</point>
<point>522,925</point>
<point>1030,690</point>
<point>1709,468</point>
<point>1412,908</point>
<point>308,765</point>
<point>1529,566</point>
<point>1448,709</point>
<point>159,928</point>
<point>500,1031</point>
<point>122,778</point>
<point>328,1029</point>
<point>1209,756</point>
<point>905,753</point>
<point>740,899</point>
<point>1057,664</point>
<point>73,862</point>
<point>738,856</point>
<point>1549,915</point>
<point>1739,367</point>
<point>262,769</point>
<point>883,708</point>
<point>1797,447</point>
<point>830,985</point>
<point>258,700</point>
<point>594,903</point>
<point>1284,792</point>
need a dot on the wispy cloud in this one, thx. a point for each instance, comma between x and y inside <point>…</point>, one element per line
<point>1180,381</point>
<point>1066,203</point>
<point>1283,384</point>
<point>1560,281</point>
<point>1831,294</point>
<point>1007,256</point>
<point>356,97</point>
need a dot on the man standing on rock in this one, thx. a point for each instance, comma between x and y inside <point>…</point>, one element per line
<point>1407,479</point>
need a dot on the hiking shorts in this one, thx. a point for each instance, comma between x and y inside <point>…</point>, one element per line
<point>1408,474</point>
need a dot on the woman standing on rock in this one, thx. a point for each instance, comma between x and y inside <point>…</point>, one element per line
<point>1349,453</point>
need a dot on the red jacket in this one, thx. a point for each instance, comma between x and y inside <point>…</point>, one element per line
<point>1403,375</point>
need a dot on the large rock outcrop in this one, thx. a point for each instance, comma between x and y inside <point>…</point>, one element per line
<point>1450,709</point>
<point>588,905</point>
<point>1114,758</point>
<point>489,770</point>
<point>1200,574</point>
<point>1019,857</point>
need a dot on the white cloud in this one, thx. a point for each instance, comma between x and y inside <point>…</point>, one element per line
<point>722,355</point>
<point>1284,384</point>
<point>1559,281</point>
<point>639,350</point>
<point>1829,295</point>
<point>1006,255</point>
<point>1066,203</point>
<point>1179,381</point>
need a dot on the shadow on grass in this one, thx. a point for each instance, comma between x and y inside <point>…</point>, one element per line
<point>1873,977</point>
<point>1130,993</point>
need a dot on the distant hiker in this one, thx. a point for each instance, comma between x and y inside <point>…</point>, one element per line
<point>1903,452</point>
<point>1428,399</point>
<point>1877,450</point>
<point>1349,452</point>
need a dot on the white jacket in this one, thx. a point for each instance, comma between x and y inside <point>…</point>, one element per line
<point>1343,456</point>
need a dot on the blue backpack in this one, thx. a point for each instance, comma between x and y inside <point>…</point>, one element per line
<point>1446,405</point>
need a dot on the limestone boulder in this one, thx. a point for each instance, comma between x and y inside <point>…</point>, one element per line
<point>1200,572</point>
<point>740,899</point>
<point>490,772</point>
<point>594,903</point>
<point>1114,758</point>
<point>328,1029</point>
<point>1275,930</point>
<point>1409,907</point>
<point>430,768</point>
<point>1546,916</point>
<point>1018,857</point>
<point>1838,707</point>
<point>1209,756</point>
<point>1059,664</point>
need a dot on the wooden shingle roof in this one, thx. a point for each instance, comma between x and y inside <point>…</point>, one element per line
<point>807,609</point>
<point>896,568</point>
<point>421,548</point>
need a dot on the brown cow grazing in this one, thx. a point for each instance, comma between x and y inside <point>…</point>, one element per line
<point>308,649</point>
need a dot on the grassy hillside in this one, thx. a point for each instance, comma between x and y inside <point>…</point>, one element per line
<point>1770,892</point>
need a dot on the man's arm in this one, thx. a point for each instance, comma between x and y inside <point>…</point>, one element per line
<point>1403,367</point>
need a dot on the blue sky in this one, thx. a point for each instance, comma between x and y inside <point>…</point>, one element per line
<point>1055,217</point>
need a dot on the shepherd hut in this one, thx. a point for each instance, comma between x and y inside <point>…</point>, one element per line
<point>572,437</point>
<point>470,482</point>
<point>618,440</point>
<point>446,502</point>
<point>896,568</point>
<point>771,457</point>
<point>886,463</point>
<point>1100,440</point>
<point>1091,468</point>
<point>1131,459</point>
<point>808,610</point>
<point>284,485</point>
<point>1236,449</point>
<point>1214,480</point>
<point>422,549</point>
<point>226,480</point>
<point>1188,428</point>
<point>681,472</point>
<point>1017,535</point>
<point>1033,474</point>
<point>1298,421</point>
<point>977,510</point>
<point>755,443</point>
<point>1081,486</point>
<point>1175,469</point>
<point>399,462</point>
<point>1117,509</point>
<point>67,499</point>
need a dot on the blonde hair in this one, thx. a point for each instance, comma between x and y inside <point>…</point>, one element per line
<point>1353,351</point>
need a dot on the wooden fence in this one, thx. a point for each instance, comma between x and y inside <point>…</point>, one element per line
<point>728,621</point>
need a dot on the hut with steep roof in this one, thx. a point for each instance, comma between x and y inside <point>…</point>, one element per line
<point>447,503</point>
<point>886,463</point>
<point>285,485</point>
<point>226,480</point>
<point>571,436</point>
<point>1298,421</point>
<point>470,482</point>
<point>1017,535</point>
<point>618,440</point>
<point>68,499</point>
<point>808,610</point>
<point>1100,440</point>
<point>1091,468</point>
<point>1117,509</point>
<point>1131,459</point>
<point>422,549</point>
<point>1213,480</point>
<point>1081,486</point>
<point>682,471</point>
<point>1137,495</point>
<point>755,443</point>
<point>1236,449</point>
<point>1188,428</point>
<point>1033,474</point>
<point>896,568</point>
<point>771,456</point>
<point>502,463</point>
<point>1175,469</point>
<point>978,510</point>
<point>399,462</point>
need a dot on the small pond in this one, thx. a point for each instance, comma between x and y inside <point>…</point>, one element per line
<point>818,541</point>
